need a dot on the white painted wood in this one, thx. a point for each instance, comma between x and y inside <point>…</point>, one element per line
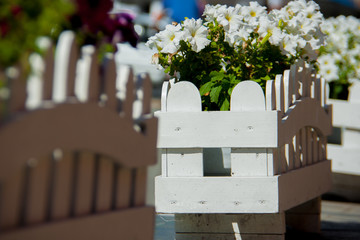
<point>224,236</point>
<point>294,74</point>
<point>309,148</point>
<point>273,161</point>
<point>272,223</point>
<point>299,117</point>
<point>186,162</point>
<point>315,147</point>
<point>344,160</point>
<point>35,82</point>
<point>249,162</point>
<point>183,97</point>
<point>270,148</point>
<point>279,89</point>
<point>141,105</point>
<point>342,111</point>
<point>306,80</point>
<point>164,91</point>
<point>62,55</point>
<point>247,96</point>
<point>354,94</point>
<point>163,153</point>
<point>289,156</point>
<point>270,95</point>
<point>217,129</point>
<point>297,153</point>
<point>289,81</point>
<point>304,184</point>
<point>83,73</point>
<point>216,194</point>
<point>351,138</point>
<point>258,194</point>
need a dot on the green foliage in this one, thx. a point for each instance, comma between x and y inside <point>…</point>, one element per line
<point>22,22</point>
<point>210,72</point>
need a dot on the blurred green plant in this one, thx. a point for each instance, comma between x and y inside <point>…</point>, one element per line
<point>22,22</point>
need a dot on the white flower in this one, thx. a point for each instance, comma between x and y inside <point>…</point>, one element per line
<point>288,45</point>
<point>167,40</point>
<point>236,38</point>
<point>153,42</point>
<point>213,12</point>
<point>230,19</point>
<point>326,61</point>
<point>269,29</point>
<point>253,12</point>
<point>329,73</point>
<point>196,34</point>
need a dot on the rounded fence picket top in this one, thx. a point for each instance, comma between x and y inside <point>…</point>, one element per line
<point>275,148</point>
<point>183,97</point>
<point>247,96</point>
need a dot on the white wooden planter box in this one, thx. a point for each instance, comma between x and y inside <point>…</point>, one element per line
<point>345,155</point>
<point>272,148</point>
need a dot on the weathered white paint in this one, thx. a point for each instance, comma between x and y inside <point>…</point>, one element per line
<point>277,141</point>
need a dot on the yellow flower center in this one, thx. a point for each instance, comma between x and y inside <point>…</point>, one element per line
<point>253,14</point>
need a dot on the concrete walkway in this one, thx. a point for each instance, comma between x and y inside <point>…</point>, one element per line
<point>339,221</point>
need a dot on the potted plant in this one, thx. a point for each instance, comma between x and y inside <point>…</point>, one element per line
<point>339,64</point>
<point>267,137</point>
<point>234,44</point>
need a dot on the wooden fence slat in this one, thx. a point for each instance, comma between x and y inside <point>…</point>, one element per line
<point>303,145</point>
<point>309,148</point>
<point>247,96</point>
<point>104,185</point>
<point>71,69</point>
<point>127,105</point>
<point>273,162</point>
<point>140,187</point>
<point>283,160</point>
<point>279,88</point>
<point>297,142</point>
<point>17,91</point>
<point>183,97</point>
<point>11,195</point>
<point>291,155</point>
<point>65,63</point>
<point>147,93</point>
<point>94,79</point>
<point>164,92</point>
<point>270,95</point>
<point>37,199</point>
<point>84,183</point>
<point>110,83</point>
<point>61,199</point>
<point>315,147</point>
<point>48,74</point>
<point>123,188</point>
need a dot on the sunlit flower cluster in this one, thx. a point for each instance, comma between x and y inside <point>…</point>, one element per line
<point>340,57</point>
<point>295,28</point>
<point>235,43</point>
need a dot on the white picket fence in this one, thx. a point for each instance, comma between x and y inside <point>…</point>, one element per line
<point>70,163</point>
<point>271,149</point>
<point>345,155</point>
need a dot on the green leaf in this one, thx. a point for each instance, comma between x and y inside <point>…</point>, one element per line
<point>225,105</point>
<point>217,76</point>
<point>206,88</point>
<point>215,93</point>
<point>267,77</point>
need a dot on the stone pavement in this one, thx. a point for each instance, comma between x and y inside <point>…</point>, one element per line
<point>339,221</point>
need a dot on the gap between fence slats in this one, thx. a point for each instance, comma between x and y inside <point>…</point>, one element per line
<point>63,183</point>
<point>37,199</point>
